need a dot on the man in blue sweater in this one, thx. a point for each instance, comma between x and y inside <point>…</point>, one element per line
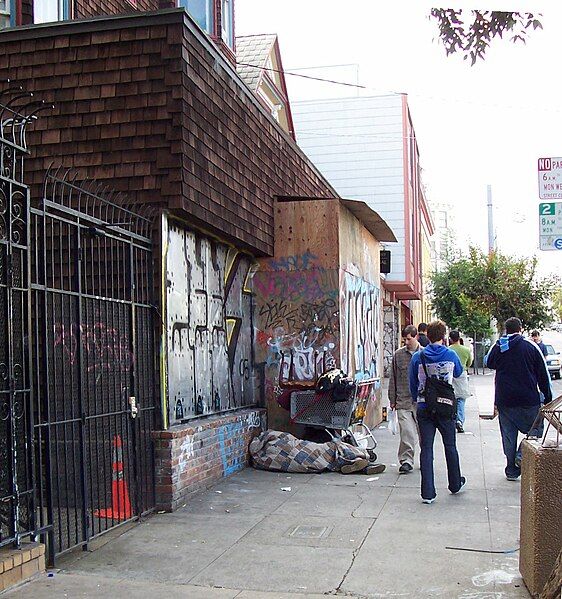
<point>442,363</point>
<point>520,372</point>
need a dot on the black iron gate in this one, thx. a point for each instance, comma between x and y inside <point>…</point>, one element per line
<point>16,415</point>
<point>93,361</point>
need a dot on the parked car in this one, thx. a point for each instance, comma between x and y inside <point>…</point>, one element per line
<point>553,362</point>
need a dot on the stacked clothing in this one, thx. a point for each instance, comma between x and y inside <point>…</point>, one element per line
<point>283,452</point>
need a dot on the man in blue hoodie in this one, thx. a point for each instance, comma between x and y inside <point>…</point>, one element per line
<point>442,363</point>
<point>520,372</point>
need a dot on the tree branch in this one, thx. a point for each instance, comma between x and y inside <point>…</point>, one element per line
<point>472,39</point>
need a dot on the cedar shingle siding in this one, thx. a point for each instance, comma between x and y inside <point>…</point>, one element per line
<point>147,104</point>
<point>27,12</point>
<point>91,8</point>
<point>94,8</point>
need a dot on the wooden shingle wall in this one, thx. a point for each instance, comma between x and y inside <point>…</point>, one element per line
<point>234,157</point>
<point>147,105</point>
<point>94,8</point>
<point>112,118</point>
<point>81,9</point>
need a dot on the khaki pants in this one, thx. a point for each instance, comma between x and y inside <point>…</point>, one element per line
<point>408,435</point>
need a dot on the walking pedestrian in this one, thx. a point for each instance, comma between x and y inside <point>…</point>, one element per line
<point>536,337</point>
<point>438,362</point>
<point>460,384</point>
<point>401,400</point>
<point>422,337</point>
<point>521,376</point>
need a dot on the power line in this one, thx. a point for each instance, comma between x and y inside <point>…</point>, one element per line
<point>393,92</point>
<point>255,66</point>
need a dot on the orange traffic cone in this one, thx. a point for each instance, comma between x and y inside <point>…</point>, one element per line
<point>120,503</point>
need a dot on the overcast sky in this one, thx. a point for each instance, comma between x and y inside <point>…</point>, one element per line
<point>479,125</point>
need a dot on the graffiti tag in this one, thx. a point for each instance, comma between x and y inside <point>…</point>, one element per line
<point>104,348</point>
<point>360,327</point>
<point>298,262</point>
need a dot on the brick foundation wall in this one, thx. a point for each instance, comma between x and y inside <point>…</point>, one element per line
<point>19,565</point>
<point>194,456</point>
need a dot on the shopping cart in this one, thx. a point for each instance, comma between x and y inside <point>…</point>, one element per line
<point>340,419</point>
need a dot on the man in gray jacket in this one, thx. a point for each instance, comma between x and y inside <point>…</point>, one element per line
<point>401,399</point>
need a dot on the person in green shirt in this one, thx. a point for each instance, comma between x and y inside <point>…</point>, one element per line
<point>460,384</point>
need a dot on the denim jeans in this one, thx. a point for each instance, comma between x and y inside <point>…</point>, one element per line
<point>515,420</point>
<point>427,426</point>
<point>460,409</point>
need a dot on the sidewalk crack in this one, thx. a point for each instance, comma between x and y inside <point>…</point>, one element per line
<point>361,502</point>
<point>338,590</point>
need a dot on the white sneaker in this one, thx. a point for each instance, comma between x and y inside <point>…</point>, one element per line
<point>428,500</point>
<point>461,488</point>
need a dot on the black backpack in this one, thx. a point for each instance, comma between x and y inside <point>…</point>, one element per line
<point>439,395</point>
<point>337,383</point>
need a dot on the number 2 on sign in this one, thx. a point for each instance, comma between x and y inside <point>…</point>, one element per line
<point>547,209</point>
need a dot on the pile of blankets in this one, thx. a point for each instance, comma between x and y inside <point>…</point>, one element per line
<point>283,452</point>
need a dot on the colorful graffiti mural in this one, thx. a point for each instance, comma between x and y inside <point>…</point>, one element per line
<point>297,314</point>
<point>360,327</point>
<point>232,447</point>
<point>313,319</point>
<point>209,326</point>
<point>390,336</point>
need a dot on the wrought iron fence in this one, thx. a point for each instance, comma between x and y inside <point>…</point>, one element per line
<point>78,369</point>
<point>17,481</point>
<point>93,360</point>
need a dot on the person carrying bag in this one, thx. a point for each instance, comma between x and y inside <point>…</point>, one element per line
<point>439,395</point>
<point>431,375</point>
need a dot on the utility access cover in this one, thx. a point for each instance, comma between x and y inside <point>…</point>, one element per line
<point>306,531</point>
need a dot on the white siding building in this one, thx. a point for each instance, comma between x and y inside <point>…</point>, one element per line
<point>357,143</point>
<point>367,149</point>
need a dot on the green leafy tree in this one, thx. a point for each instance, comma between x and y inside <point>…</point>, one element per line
<point>519,291</point>
<point>476,288</point>
<point>557,304</point>
<point>455,295</point>
<point>472,36</point>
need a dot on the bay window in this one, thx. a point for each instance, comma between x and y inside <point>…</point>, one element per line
<point>227,22</point>
<point>7,13</point>
<point>204,13</point>
<point>201,11</point>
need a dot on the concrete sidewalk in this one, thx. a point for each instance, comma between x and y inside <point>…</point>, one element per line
<point>353,535</point>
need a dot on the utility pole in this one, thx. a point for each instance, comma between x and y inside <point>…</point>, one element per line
<point>491,240</point>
